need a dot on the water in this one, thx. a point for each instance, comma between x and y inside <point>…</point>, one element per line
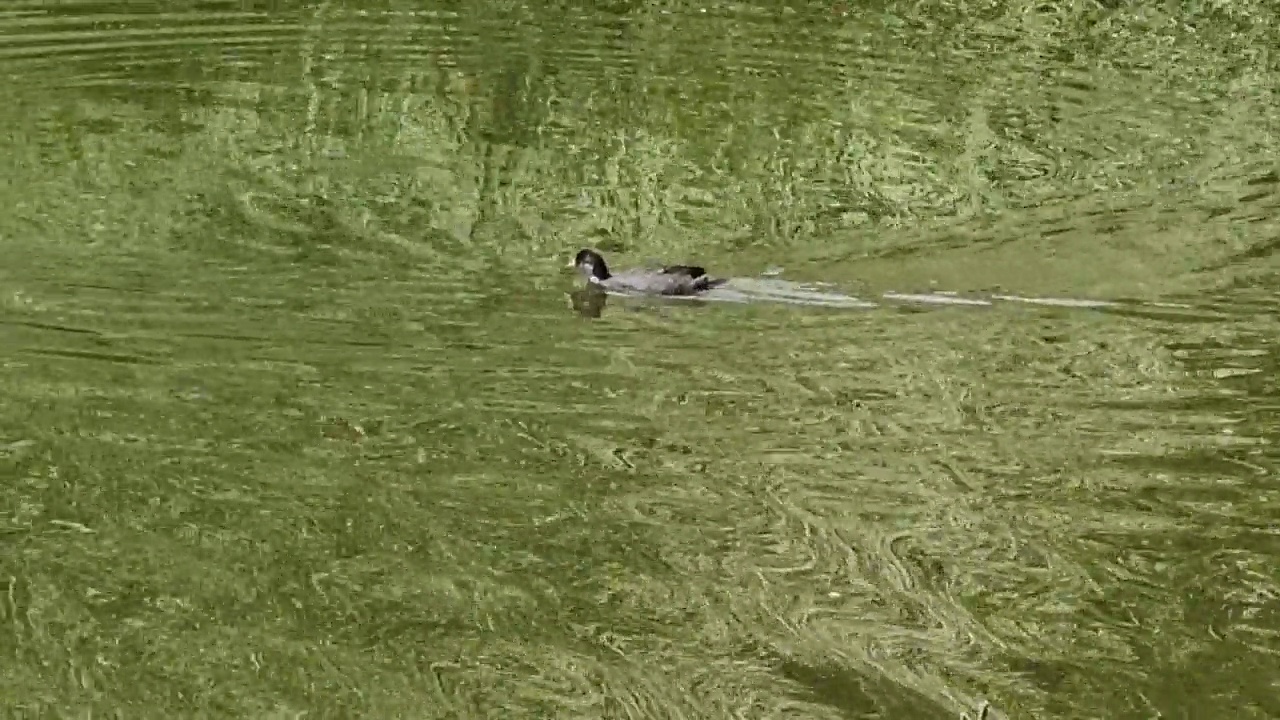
<point>299,417</point>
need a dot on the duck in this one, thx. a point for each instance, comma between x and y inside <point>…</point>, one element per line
<point>669,280</point>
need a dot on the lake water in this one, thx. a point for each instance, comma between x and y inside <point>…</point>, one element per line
<point>302,417</point>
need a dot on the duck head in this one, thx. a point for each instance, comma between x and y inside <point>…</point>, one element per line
<point>591,265</point>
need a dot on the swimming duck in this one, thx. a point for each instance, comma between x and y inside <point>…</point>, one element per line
<point>670,280</point>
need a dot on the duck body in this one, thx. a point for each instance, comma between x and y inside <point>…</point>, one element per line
<point>669,280</point>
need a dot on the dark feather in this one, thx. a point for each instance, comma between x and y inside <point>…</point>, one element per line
<point>692,271</point>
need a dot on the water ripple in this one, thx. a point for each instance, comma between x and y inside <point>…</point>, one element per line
<point>288,364</point>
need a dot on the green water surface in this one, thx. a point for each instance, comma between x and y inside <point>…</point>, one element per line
<point>297,418</point>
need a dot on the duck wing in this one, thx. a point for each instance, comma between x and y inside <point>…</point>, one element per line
<point>690,279</point>
<point>689,271</point>
<point>705,282</point>
<point>671,280</point>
